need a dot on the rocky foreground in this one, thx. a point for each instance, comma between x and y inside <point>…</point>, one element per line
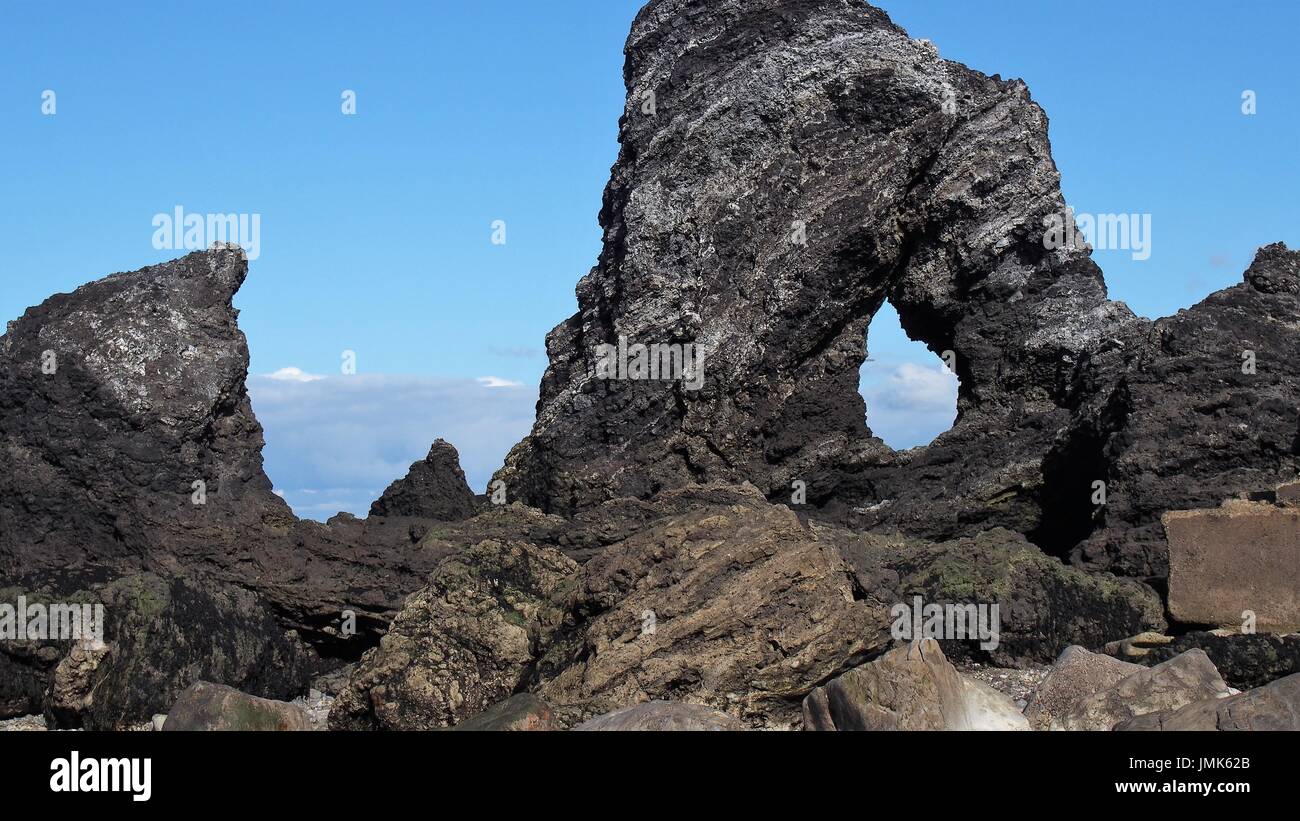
<point>656,556</point>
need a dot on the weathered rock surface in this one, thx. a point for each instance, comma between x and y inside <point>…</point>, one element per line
<point>520,713</point>
<point>661,716</point>
<point>207,706</point>
<point>1077,675</point>
<point>909,688</point>
<point>1274,706</point>
<point>460,645</point>
<point>435,488</point>
<point>920,181</point>
<point>737,607</point>
<point>1166,686</point>
<point>1235,560</point>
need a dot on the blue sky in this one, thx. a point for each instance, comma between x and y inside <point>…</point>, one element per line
<point>376,228</point>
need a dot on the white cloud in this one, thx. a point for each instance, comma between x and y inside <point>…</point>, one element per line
<point>292,374</point>
<point>914,387</point>
<point>497,382</point>
<point>335,443</point>
<point>909,404</point>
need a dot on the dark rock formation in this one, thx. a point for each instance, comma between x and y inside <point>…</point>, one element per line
<point>435,488</point>
<point>1246,660</point>
<point>1044,605</point>
<point>1184,426</point>
<point>128,445</point>
<point>163,635</point>
<point>786,168</point>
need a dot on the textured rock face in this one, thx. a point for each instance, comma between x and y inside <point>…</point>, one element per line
<point>916,179</point>
<point>435,488</point>
<point>752,125</point>
<point>737,606</point>
<point>1077,675</point>
<point>1167,686</point>
<point>128,446</point>
<point>462,644</point>
<point>732,604</point>
<point>1272,707</point>
<point>114,400</point>
<point>1240,558</point>
<point>1185,426</point>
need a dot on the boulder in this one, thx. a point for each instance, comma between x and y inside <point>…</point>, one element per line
<point>524,712</point>
<point>1238,559</point>
<point>661,716</point>
<point>1166,686</point>
<point>1274,706</point>
<point>460,645</point>
<point>909,688</point>
<point>1076,676</point>
<point>989,709</point>
<point>434,488</point>
<point>207,706</point>
<point>737,606</point>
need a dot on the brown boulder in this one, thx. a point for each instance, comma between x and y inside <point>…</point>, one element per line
<point>207,706</point>
<point>1224,562</point>
<point>1167,686</point>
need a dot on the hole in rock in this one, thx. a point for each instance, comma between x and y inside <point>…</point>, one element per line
<point>911,395</point>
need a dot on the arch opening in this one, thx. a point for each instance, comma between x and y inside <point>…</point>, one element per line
<point>909,391</point>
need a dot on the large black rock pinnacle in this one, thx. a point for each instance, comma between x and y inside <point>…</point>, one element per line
<point>785,168</point>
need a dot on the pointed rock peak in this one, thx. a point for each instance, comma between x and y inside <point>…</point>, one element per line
<point>434,488</point>
<point>1276,269</point>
